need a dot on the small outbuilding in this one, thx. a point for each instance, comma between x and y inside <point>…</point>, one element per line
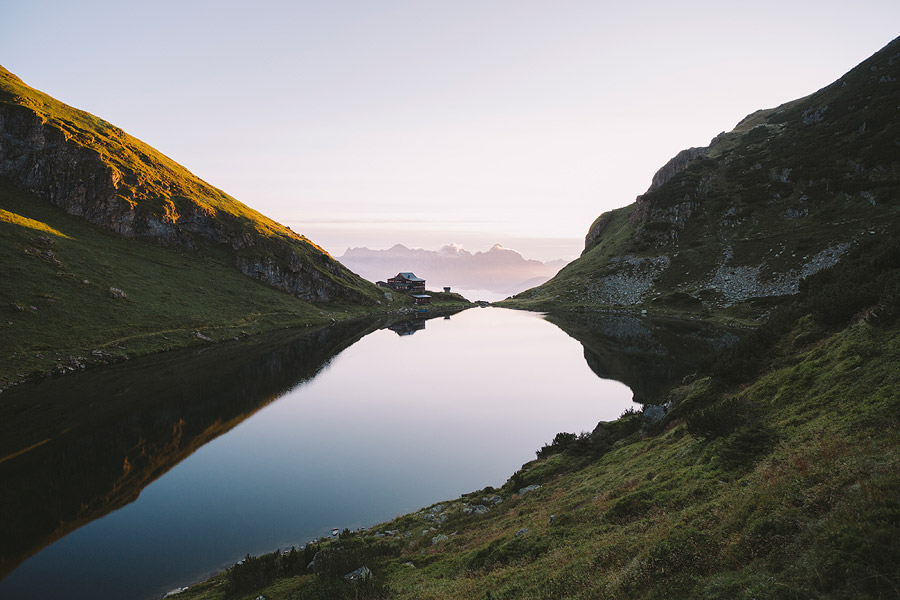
<point>421,298</point>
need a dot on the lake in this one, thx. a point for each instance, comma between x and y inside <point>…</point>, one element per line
<point>134,479</point>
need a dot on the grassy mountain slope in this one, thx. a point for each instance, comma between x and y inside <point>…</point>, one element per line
<point>93,169</point>
<point>734,226</point>
<point>57,270</point>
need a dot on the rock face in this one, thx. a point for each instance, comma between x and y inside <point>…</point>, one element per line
<point>596,229</point>
<point>94,170</point>
<point>676,164</point>
<point>40,158</point>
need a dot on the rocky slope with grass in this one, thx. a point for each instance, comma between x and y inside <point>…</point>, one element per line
<point>734,226</point>
<point>93,169</point>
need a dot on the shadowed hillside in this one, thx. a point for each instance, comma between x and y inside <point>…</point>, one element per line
<point>735,226</point>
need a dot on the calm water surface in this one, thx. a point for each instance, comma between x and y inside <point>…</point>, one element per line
<point>388,425</point>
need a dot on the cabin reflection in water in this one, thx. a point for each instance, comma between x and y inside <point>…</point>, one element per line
<point>407,327</point>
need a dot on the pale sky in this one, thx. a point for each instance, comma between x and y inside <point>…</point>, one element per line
<point>429,122</point>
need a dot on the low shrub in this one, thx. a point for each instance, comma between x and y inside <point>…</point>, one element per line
<point>746,445</point>
<point>719,419</point>
<point>522,548</point>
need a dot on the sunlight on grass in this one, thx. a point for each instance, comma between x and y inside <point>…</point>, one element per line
<point>13,218</point>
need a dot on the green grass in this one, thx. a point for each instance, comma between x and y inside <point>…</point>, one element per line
<point>57,271</point>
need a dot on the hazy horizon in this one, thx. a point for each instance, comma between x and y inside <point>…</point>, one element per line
<point>369,124</point>
<point>542,249</point>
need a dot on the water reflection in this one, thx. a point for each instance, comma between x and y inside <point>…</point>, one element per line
<point>76,448</point>
<point>359,434</point>
<point>409,326</point>
<point>648,355</point>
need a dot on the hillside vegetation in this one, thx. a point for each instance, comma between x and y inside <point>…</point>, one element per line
<point>732,228</point>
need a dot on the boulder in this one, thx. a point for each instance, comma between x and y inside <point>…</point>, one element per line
<point>653,413</point>
<point>361,574</point>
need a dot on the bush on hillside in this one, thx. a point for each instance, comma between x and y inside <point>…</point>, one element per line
<point>719,419</point>
<point>745,445</point>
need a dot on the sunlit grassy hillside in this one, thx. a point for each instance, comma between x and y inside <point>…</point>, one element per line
<point>57,271</point>
<point>145,175</point>
<point>93,169</point>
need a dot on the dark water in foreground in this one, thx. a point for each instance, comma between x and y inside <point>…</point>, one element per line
<point>147,476</point>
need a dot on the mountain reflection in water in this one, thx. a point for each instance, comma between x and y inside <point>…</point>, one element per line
<point>73,449</point>
<point>646,354</point>
<point>489,384</point>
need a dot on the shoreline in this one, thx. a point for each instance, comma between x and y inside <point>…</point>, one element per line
<point>158,342</point>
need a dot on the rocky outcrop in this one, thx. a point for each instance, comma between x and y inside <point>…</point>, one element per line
<point>676,164</point>
<point>298,277</point>
<point>53,162</point>
<point>596,230</point>
<point>37,158</point>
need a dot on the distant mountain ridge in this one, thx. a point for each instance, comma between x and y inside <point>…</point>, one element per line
<point>499,269</point>
<point>735,225</point>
